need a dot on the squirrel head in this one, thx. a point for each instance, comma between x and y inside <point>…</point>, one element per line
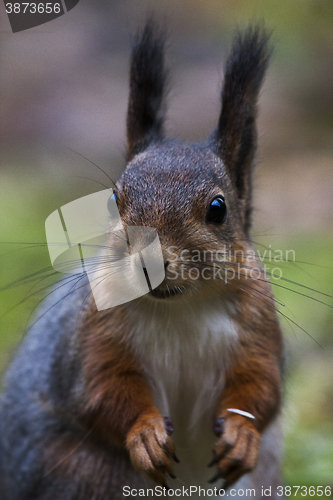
<point>197,196</point>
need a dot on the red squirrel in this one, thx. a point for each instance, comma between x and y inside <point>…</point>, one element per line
<point>100,405</point>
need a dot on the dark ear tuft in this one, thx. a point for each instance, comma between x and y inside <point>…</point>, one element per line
<point>145,115</point>
<point>236,135</point>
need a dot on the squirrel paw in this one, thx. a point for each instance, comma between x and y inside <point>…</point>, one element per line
<point>237,449</point>
<point>151,448</point>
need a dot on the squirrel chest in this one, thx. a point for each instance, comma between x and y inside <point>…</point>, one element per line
<point>184,349</point>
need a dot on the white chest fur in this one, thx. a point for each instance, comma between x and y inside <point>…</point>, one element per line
<point>184,347</point>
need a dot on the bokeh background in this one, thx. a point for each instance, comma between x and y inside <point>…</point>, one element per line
<point>63,93</point>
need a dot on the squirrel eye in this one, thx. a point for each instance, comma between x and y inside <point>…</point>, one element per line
<point>112,205</point>
<point>217,211</point>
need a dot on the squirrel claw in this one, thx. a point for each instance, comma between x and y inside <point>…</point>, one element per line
<point>176,459</point>
<point>218,427</point>
<point>150,448</point>
<point>224,485</point>
<point>168,424</point>
<point>213,461</point>
<point>215,478</point>
<point>236,451</point>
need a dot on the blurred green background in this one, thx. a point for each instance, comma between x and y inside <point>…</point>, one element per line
<point>63,87</point>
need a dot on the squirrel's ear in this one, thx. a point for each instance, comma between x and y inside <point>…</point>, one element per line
<point>235,138</point>
<point>145,114</point>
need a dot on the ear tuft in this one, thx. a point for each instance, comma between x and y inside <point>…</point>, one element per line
<point>145,115</point>
<point>235,138</point>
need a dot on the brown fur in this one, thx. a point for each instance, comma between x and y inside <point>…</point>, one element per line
<point>100,403</point>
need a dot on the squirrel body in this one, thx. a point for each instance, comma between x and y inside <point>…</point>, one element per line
<point>197,340</point>
<point>88,399</point>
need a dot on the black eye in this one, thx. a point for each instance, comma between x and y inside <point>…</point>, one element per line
<point>112,205</point>
<point>217,211</point>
